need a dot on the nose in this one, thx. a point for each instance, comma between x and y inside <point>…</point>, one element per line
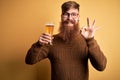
<point>69,17</point>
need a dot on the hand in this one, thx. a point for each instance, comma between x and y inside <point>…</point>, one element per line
<point>89,30</point>
<point>45,38</point>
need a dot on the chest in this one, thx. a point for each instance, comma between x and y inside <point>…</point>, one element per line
<point>68,53</point>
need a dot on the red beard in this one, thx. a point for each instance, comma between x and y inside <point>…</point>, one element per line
<point>67,33</point>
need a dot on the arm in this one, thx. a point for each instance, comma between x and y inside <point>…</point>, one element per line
<point>36,53</point>
<point>96,56</point>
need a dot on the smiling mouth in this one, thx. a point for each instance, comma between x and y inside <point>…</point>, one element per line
<point>69,22</point>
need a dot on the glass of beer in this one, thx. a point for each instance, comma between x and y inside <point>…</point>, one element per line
<point>49,29</point>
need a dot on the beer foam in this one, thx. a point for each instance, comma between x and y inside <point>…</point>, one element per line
<point>49,24</point>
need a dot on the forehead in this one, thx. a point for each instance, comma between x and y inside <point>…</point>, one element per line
<point>72,10</point>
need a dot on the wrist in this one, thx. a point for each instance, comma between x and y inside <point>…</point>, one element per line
<point>89,39</point>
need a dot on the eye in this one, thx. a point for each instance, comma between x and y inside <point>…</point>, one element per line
<point>74,14</point>
<point>65,14</point>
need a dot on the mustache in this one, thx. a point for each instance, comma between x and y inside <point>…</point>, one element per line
<point>69,21</point>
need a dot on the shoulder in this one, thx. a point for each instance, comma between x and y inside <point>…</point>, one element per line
<point>56,37</point>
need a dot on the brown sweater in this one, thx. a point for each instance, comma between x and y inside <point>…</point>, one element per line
<point>69,61</point>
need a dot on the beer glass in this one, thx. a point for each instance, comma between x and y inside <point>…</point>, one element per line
<point>49,29</point>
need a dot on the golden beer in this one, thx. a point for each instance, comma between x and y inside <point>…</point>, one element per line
<point>49,28</point>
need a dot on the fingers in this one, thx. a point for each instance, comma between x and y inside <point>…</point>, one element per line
<point>93,24</point>
<point>45,38</point>
<point>85,28</point>
<point>88,22</point>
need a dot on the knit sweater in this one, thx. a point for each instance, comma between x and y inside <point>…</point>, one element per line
<point>69,61</point>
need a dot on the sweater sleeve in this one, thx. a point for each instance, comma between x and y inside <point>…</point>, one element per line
<point>36,53</point>
<point>96,56</point>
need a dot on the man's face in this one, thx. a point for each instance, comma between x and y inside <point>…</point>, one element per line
<point>70,18</point>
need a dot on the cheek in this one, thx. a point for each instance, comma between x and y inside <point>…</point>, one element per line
<point>76,20</point>
<point>63,19</point>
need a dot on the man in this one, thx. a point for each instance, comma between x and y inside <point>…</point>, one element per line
<point>71,47</point>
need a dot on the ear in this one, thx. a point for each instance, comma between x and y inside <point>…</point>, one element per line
<point>78,17</point>
<point>61,17</point>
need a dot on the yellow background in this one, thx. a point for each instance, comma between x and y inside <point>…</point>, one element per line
<point>22,22</point>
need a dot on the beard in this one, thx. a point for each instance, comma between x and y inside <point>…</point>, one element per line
<point>68,33</point>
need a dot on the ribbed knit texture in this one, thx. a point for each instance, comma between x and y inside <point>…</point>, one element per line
<point>69,61</point>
